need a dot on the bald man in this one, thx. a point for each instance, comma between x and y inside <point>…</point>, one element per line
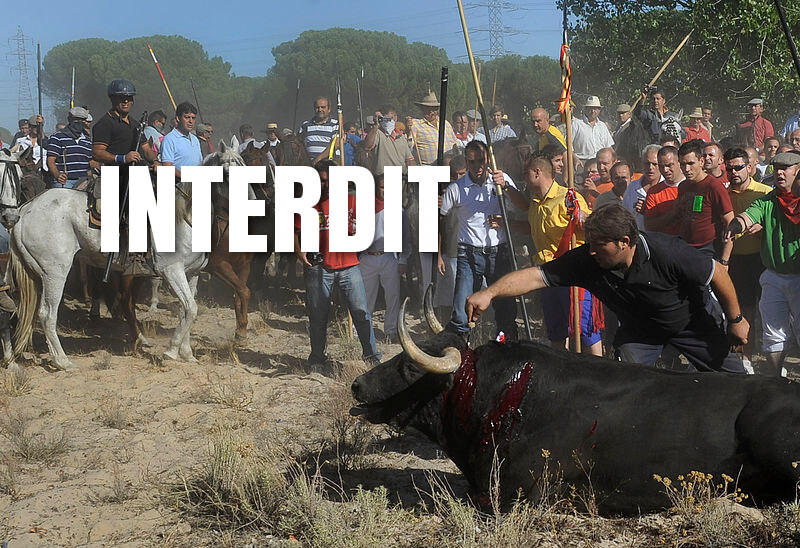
<point>548,134</point>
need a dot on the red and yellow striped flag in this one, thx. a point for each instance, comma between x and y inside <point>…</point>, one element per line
<point>566,80</point>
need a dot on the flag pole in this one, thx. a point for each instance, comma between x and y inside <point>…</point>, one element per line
<point>163,80</point>
<point>72,93</point>
<point>492,162</point>
<point>566,108</point>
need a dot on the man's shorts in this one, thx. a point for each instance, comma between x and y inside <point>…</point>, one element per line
<point>555,308</point>
<point>780,310</point>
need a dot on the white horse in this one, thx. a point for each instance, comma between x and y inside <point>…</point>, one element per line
<point>10,180</point>
<point>52,229</point>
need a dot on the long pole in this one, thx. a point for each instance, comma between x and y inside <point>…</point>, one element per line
<point>163,80</point>
<point>196,102</point>
<point>360,106</point>
<point>440,156</point>
<point>72,93</point>
<point>499,188</point>
<point>479,85</point>
<point>494,88</point>
<point>342,136</point>
<point>665,65</point>
<point>296,98</point>
<point>576,304</point>
<point>788,34</point>
<point>39,76</point>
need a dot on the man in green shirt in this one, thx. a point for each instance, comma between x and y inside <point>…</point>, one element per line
<point>778,213</point>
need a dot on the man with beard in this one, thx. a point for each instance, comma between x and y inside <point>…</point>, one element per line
<point>655,283</point>
<point>779,214</point>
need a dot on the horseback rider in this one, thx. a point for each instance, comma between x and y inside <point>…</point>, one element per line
<point>113,135</point>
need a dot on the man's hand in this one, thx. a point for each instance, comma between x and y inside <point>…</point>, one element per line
<point>442,266</point>
<point>497,178</point>
<point>755,228</point>
<point>132,157</point>
<point>477,303</point>
<point>735,227</point>
<point>401,269</point>
<point>589,186</point>
<point>738,332</point>
<point>302,256</point>
<point>62,178</point>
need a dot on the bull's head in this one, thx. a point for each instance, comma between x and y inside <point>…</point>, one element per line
<point>394,391</point>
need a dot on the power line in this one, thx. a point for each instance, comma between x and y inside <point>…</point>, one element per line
<point>24,97</point>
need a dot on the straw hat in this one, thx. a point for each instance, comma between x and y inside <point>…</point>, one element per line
<point>696,113</point>
<point>429,101</point>
<point>592,101</point>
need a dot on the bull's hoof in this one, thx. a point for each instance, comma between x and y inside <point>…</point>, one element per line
<point>240,335</point>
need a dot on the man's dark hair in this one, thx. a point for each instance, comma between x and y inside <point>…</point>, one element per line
<point>388,108</point>
<point>736,152</point>
<point>539,161</point>
<point>457,115</point>
<point>552,151</point>
<point>496,108</point>
<point>663,151</point>
<point>776,139</point>
<point>610,223</point>
<point>246,130</point>
<point>695,146</point>
<point>458,162</point>
<point>22,123</point>
<point>479,146</point>
<point>155,116</point>
<point>324,166</point>
<point>348,125</point>
<point>619,164</point>
<point>185,107</point>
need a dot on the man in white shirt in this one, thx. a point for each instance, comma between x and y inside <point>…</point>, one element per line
<point>483,251</point>
<point>589,133</point>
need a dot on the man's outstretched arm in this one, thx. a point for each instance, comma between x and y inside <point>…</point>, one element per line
<point>511,285</point>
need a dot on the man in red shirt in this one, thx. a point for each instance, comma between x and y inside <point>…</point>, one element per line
<point>695,129</point>
<point>659,206</point>
<point>704,206</point>
<point>323,270</point>
<point>756,128</point>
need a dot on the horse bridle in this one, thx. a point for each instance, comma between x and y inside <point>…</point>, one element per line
<point>11,176</point>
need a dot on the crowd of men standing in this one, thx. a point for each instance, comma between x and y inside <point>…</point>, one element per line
<point>713,224</point>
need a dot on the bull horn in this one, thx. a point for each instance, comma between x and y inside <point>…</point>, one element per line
<point>432,364</point>
<point>430,315</point>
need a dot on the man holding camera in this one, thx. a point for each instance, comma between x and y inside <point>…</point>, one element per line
<point>654,118</point>
<point>323,270</point>
<point>389,150</point>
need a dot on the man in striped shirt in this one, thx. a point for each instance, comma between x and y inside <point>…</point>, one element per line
<point>425,131</point>
<point>500,131</point>
<point>318,132</point>
<point>69,151</point>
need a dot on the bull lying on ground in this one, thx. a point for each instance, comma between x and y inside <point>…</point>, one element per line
<point>620,423</point>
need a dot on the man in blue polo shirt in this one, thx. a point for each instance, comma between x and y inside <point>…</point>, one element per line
<point>181,147</point>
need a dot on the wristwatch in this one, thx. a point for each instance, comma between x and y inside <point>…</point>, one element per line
<point>723,262</point>
<point>737,319</point>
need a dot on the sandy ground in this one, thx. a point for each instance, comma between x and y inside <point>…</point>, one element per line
<point>86,456</point>
<point>124,426</point>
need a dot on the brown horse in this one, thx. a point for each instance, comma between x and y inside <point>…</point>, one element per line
<point>233,268</point>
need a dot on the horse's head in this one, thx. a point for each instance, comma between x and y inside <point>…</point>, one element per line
<point>226,157</point>
<point>254,156</point>
<point>10,181</point>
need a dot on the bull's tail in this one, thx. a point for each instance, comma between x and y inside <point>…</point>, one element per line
<point>29,296</point>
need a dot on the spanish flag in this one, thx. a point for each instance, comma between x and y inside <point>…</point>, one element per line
<point>566,80</point>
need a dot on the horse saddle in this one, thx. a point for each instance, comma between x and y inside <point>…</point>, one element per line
<point>93,202</point>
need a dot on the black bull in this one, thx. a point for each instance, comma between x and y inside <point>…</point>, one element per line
<point>618,423</point>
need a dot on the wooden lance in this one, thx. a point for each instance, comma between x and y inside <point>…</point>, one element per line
<point>296,98</point>
<point>196,102</point>
<point>72,93</point>
<point>664,67</point>
<point>342,137</point>
<point>492,161</point>
<point>789,39</point>
<point>163,80</point>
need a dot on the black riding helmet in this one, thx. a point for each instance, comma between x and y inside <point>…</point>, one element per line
<point>121,86</point>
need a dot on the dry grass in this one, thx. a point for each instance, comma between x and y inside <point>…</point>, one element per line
<point>121,490</point>
<point>113,413</point>
<point>32,446</point>
<point>227,391</point>
<point>348,347</point>
<point>349,438</point>
<point>9,482</point>
<point>16,382</point>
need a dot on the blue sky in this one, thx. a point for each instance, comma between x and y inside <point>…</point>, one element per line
<point>243,33</point>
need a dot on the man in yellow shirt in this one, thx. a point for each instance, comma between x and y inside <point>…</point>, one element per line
<point>552,217</point>
<point>425,131</point>
<point>745,263</point>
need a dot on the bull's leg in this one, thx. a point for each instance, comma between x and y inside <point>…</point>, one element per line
<point>52,291</point>
<point>5,337</point>
<point>180,344</point>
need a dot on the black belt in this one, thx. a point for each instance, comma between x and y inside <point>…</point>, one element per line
<point>486,250</point>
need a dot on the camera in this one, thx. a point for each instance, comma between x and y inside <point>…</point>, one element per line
<point>650,89</point>
<point>314,258</point>
<point>384,119</point>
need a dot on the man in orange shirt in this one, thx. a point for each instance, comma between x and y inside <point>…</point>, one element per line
<point>606,158</point>
<point>659,205</point>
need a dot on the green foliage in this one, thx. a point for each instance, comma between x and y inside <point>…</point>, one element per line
<point>737,51</point>
<point>395,72</point>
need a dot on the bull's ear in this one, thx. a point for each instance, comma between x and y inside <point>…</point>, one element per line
<point>222,147</point>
